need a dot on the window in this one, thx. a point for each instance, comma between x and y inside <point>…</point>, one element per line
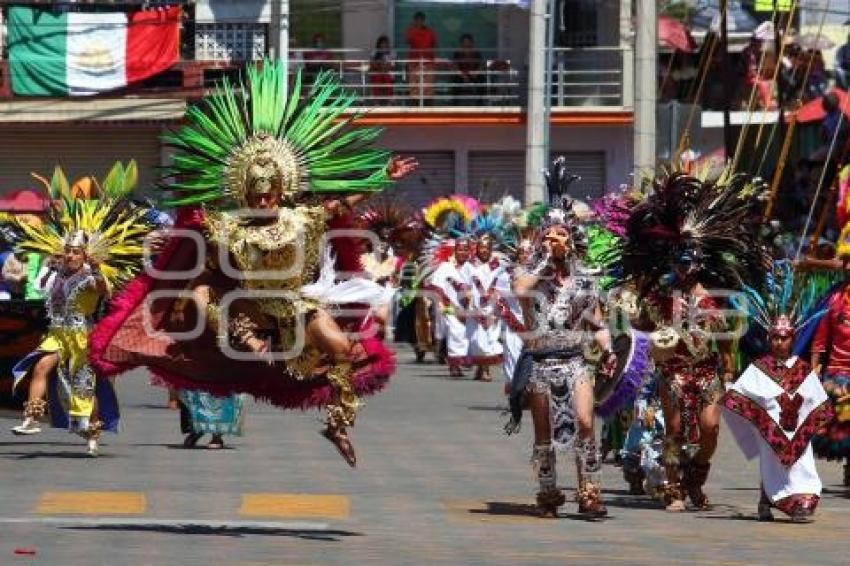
<point>230,42</point>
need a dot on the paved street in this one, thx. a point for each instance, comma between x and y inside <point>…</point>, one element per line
<point>437,483</point>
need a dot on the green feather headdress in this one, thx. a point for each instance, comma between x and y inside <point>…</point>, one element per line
<point>308,144</point>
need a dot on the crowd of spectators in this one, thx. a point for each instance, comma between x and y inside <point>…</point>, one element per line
<point>799,69</point>
<point>419,75</point>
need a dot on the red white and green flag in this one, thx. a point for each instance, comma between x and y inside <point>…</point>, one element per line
<point>86,53</point>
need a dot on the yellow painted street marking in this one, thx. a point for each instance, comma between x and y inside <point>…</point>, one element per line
<point>92,503</point>
<point>294,505</point>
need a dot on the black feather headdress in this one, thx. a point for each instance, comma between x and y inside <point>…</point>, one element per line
<point>562,207</point>
<point>692,231</point>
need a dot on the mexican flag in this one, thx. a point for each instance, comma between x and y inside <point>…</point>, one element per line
<point>84,53</point>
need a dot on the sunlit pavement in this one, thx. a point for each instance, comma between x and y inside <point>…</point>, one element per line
<point>437,482</point>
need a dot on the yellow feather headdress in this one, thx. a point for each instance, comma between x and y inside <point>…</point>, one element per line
<point>114,227</point>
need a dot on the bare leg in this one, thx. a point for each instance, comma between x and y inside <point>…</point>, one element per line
<point>674,497</point>
<point>324,333</point>
<point>40,373</point>
<point>588,459</point>
<point>36,405</point>
<point>173,403</point>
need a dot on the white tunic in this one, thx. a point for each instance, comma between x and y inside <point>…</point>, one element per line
<point>753,413</point>
<point>446,281</point>
<point>483,328</point>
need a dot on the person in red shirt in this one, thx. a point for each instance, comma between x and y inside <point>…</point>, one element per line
<point>831,359</point>
<point>422,42</point>
<point>381,71</point>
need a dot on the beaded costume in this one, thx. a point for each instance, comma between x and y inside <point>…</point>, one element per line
<point>111,232</point>
<point>263,175</point>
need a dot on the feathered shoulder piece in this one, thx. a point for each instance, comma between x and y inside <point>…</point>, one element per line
<point>259,137</point>
<point>691,231</point>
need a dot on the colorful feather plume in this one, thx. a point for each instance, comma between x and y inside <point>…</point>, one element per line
<point>448,213</point>
<point>115,227</point>
<point>310,139</point>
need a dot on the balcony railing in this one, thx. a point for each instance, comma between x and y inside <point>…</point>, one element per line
<point>589,76</point>
<point>410,81</point>
<point>581,77</point>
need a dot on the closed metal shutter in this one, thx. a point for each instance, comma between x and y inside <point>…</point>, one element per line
<point>435,177</point>
<point>590,166</point>
<point>494,174</point>
<point>80,150</point>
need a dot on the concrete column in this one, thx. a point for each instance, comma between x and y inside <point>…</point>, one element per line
<point>645,85</point>
<point>462,171</point>
<point>627,50</point>
<point>535,158</point>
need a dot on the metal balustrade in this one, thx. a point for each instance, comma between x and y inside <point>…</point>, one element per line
<point>581,77</point>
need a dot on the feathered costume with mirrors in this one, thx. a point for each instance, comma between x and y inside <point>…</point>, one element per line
<point>564,312</point>
<point>107,233</point>
<point>262,175</point>
<point>686,238</point>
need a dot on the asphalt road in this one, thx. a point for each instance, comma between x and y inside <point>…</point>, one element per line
<point>437,483</point>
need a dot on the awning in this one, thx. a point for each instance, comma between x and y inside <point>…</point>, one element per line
<point>93,110</point>
<point>23,201</point>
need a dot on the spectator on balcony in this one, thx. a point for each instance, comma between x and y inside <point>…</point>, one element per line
<point>469,67</point>
<point>752,61</point>
<point>381,71</point>
<point>842,65</point>
<point>422,42</point>
<point>318,58</point>
<point>791,71</point>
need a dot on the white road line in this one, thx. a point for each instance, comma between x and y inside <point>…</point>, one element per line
<point>141,522</point>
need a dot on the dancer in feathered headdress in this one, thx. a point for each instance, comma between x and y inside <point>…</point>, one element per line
<point>273,171</point>
<point>95,246</point>
<point>488,271</point>
<point>444,260</point>
<point>566,347</point>
<point>394,234</point>
<point>688,237</point>
<point>391,228</point>
<point>774,408</point>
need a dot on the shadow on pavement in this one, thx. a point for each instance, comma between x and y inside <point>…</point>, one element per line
<point>199,447</point>
<point>484,408</point>
<point>840,492</point>
<point>512,509</point>
<point>151,406</point>
<point>335,535</point>
<point>753,518</point>
<point>36,443</point>
<point>80,454</point>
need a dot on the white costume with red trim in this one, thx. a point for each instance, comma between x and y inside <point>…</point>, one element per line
<point>773,410</point>
<point>483,326</point>
<point>449,283</point>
